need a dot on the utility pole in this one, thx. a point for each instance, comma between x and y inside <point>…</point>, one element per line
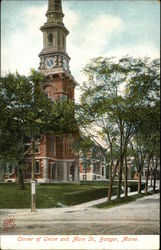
<point>33,188</point>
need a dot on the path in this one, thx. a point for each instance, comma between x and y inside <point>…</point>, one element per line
<point>139,217</point>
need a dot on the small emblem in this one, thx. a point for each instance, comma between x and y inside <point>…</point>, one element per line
<point>9,224</point>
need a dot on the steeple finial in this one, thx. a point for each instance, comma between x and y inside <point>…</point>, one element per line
<point>54,5</point>
<point>54,12</point>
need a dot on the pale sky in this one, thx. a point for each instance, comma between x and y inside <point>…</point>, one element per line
<point>97,28</point>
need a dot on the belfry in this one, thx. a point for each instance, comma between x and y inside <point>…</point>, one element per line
<point>55,159</point>
<point>54,59</point>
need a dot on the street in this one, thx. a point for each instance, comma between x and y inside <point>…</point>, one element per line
<point>139,217</point>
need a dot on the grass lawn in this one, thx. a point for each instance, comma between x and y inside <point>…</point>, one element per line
<point>122,200</point>
<point>49,195</point>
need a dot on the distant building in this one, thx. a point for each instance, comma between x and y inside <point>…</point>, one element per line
<point>92,165</point>
<point>8,172</point>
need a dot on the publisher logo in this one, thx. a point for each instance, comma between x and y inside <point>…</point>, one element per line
<point>9,223</point>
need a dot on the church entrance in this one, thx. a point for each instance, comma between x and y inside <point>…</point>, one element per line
<point>60,171</point>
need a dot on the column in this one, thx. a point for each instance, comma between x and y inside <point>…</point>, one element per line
<point>76,178</point>
<point>65,171</point>
<point>56,171</point>
<point>91,172</point>
<point>68,172</point>
<point>45,169</point>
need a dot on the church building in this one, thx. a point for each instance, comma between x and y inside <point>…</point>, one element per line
<point>55,159</point>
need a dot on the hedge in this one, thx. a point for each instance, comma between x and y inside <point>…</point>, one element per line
<point>78,197</point>
<point>95,183</point>
<point>134,186</point>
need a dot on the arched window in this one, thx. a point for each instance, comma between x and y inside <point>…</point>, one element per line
<point>50,39</point>
<point>52,146</point>
<point>37,167</point>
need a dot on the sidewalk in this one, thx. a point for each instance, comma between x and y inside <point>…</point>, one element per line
<point>138,217</point>
<point>80,207</point>
<point>97,202</point>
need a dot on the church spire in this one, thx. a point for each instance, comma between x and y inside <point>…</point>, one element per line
<point>53,57</point>
<point>54,12</point>
<point>54,5</point>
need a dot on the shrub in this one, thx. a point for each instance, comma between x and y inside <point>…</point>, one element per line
<point>95,183</point>
<point>134,186</point>
<point>84,196</point>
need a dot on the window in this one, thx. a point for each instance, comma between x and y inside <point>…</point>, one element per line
<point>52,144</point>
<point>37,148</point>
<point>63,97</point>
<point>63,41</point>
<point>10,169</point>
<point>37,167</point>
<point>50,39</point>
<point>58,38</point>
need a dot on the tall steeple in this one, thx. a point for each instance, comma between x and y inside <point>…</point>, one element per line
<point>54,13</point>
<point>53,57</point>
<point>56,156</point>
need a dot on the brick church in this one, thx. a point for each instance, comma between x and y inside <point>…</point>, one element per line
<point>55,159</point>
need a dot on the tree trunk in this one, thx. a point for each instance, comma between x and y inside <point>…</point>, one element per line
<point>154,182</point>
<point>155,174</point>
<point>151,177</point>
<point>121,167</point>
<point>139,182</point>
<point>110,180</point>
<point>20,178</point>
<point>125,176</point>
<point>110,190</point>
<point>120,182</point>
<point>33,188</point>
<point>110,174</point>
<point>147,177</point>
<point>107,171</point>
<point>85,174</point>
<point>152,172</point>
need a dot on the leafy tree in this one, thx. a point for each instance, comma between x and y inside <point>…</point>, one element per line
<point>111,103</point>
<point>26,114</point>
<point>82,146</point>
<point>147,95</point>
<point>147,144</point>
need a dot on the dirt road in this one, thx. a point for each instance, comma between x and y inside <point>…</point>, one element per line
<point>139,217</point>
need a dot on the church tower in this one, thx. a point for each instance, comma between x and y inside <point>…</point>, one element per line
<point>55,159</point>
<point>54,60</point>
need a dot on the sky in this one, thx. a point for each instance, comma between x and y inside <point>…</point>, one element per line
<point>108,28</point>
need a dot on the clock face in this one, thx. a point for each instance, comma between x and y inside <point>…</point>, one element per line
<point>65,64</point>
<point>49,62</point>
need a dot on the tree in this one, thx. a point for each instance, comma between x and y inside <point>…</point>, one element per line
<point>147,143</point>
<point>111,103</point>
<point>83,145</point>
<point>26,114</point>
<point>147,139</point>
